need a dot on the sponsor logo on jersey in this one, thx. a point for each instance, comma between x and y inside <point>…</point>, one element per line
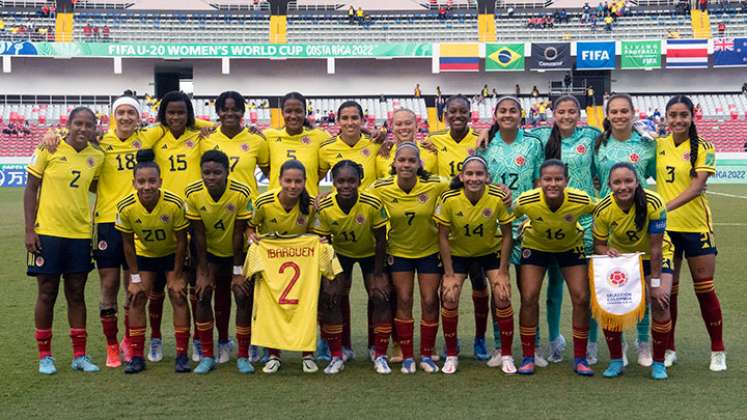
<point>103,245</point>
<point>165,218</point>
<point>360,219</point>
<point>617,277</point>
<point>423,198</point>
<point>634,157</point>
<point>520,160</point>
<point>581,149</point>
<point>487,212</point>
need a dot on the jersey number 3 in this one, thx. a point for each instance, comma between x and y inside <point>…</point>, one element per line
<point>283,300</point>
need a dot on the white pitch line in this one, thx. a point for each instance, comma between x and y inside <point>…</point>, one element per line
<point>730,224</point>
<point>726,195</point>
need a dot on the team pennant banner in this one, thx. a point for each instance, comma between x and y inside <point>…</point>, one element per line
<point>687,54</point>
<point>504,57</point>
<point>729,52</point>
<point>618,290</point>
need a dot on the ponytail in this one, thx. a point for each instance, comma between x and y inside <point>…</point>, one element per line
<point>493,130</point>
<point>304,202</point>
<point>553,147</point>
<point>604,135</point>
<point>641,212</point>
<point>456,183</point>
<point>692,131</point>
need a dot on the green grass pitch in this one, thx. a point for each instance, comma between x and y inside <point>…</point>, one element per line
<point>475,391</point>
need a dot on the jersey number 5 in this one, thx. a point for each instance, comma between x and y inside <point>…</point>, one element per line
<point>283,300</point>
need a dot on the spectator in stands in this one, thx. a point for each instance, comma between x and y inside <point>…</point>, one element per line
<point>698,108</point>
<point>96,32</point>
<point>563,18</point>
<point>359,15</point>
<point>608,23</point>
<point>2,25</point>
<point>485,92</point>
<point>586,9</point>
<point>417,92</point>
<point>106,33</point>
<point>549,21</point>
<point>744,88</point>
<point>440,106</point>
<point>495,94</point>
<point>535,92</point>
<point>703,5</point>
<point>656,114</point>
<point>599,10</point>
<point>351,14</point>
<point>590,100</point>
<point>442,13</point>
<point>10,129</point>
<point>517,89</point>
<point>87,31</point>
<point>567,80</point>
<point>721,29</point>
<point>331,117</point>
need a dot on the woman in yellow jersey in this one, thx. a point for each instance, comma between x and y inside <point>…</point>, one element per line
<point>404,128</point>
<point>154,238</point>
<point>459,141</point>
<point>552,235</point>
<point>58,233</point>
<point>297,140</point>
<point>474,229</point>
<point>618,230</point>
<point>218,209</point>
<point>287,210</point>
<point>684,162</point>
<point>245,149</point>
<point>410,197</point>
<point>350,144</point>
<point>356,222</point>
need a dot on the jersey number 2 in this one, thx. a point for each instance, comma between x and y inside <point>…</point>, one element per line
<point>283,300</point>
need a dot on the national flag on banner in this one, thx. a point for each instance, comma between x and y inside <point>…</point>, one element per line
<point>687,53</point>
<point>729,52</point>
<point>459,57</point>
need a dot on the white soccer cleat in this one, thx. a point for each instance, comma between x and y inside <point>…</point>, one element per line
<point>557,348</point>
<point>644,354</point>
<point>718,361</point>
<point>272,365</point>
<point>381,366</point>
<point>224,351</point>
<point>592,353</point>
<point>335,366</point>
<point>450,365</point>
<point>408,366</point>
<point>309,365</point>
<point>625,352</point>
<point>507,365</point>
<point>670,358</point>
<point>495,359</point>
<point>347,354</point>
<point>539,357</point>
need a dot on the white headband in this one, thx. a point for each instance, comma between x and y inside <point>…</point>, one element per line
<point>126,100</point>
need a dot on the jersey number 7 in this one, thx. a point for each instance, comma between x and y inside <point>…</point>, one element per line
<point>283,300</point>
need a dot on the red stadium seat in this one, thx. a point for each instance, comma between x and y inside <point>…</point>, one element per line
<point>475,116</point>
<point>734,115</point>
<point>253,117</point>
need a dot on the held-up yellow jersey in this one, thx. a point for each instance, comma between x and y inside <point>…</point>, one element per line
<point>384,164</point>
<point>553,231</point>
<point>451,153</point>
<point>246,151</point>
<point>673,178</point>
<point>412,233</point>
<point>269,216</point>
<point>63,209</point>
<point>179,160</point>
<point>474,228</point>
<point>286,290</point>
<point>617,227</point>
<point>219,217</point>
<point>363,153</point>
<point>303,147</point>
<point>154,231</point>
<point>352,232</point>
<point>116,173</point>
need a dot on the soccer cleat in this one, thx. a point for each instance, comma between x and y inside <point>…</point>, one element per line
<point>254,354</point>
<point>592,353</point>
<point>507,365</point>
<point>244,366</point>
<point>408,366</point>
<point>670,358</point>
<point>396,353</point>
<point>495,359</point>
<point>539,357</point>
<point>136,365</point>
<point>84,364</point>
<point>112,356</point>
<point>371,354</point>
<point>428,364</point>
<point>205,366</point>
<point>450,365</point>
<point>659,371</point>
<point>527,366</point>
<point>557,348</point>
<point>272,365</point>
<point>309,365</point>
<point>46,366</point>
<point>347,354</point>
<point>225,348</point>
<point>335,366</point>
<point>581,367</point>
<point>718,361</point>
<point>322,350</point>
<point>124,348</point>
<point>381,366</point>
<point>625,353</point>
<point>196,350</point>
<point>181,365</point>
<point>644,353</point>
<point>480,349</point>
<point>614,369</point>
<point>156,350</point>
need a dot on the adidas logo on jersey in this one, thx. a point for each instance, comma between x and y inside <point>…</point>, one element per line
<point>339,156</point>
<point>613,224</point>
<point>335,224</point>
<point>138,221</point>
<point>273,220</point>
<point>164,147</point>
<point>460,213</point>
<point>203,208</point>
<point>662,153</point>
<point>63,159</point>
<point>539,219</point>
<point>110,147</point>
<point>394,200</point>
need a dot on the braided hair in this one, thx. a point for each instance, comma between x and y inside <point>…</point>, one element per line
<point>553,147</point>
<point>347,163</point>
<point>639,197</point>
<point>605,135</point>
<point>305,199</point>
<point>692,131</point>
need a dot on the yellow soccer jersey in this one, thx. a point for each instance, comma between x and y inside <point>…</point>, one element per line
<point>219,217</point>
<point>553,231</point>
<point>179,160</point>
<point>617,227</point>
<point>474,229</point>
<point>303,147</point>
<point>116,174</point>
<point>63,209</point>
<point>384,164</point>
<point>269,216</point>
<point>363,153</point>
<point>154,231</point>
<point>353,232</point>
<point>412,233</point>
<point>286,290</point>
<point>246,151</point>
<point>673,178</point>
<point>451,153</point>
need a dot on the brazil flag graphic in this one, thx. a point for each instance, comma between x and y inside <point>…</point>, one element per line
<point>504,57</point>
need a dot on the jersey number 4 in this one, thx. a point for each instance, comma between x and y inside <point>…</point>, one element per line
<point>283,300</point>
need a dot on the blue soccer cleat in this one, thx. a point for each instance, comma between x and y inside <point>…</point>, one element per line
<point>480,349</point>
<point>135,365</point>
<point>205,366</point>
<point>244,365</point>
<point>614,369</point>
<point>181,364</point>
<point>581,367</point>
<point>659,371</point>
<point>84,364</point>
<point>46,366</point>
<point>527,366</point>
